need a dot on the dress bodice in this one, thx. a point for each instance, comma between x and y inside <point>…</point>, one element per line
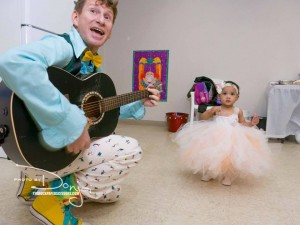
<point>231,119</point>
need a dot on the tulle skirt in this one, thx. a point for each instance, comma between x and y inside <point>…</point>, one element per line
<point>218,149</point>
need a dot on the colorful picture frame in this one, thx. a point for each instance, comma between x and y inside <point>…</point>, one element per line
<point>151,67</point>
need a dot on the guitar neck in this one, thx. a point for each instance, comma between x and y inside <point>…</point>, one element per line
<point>114,102</point>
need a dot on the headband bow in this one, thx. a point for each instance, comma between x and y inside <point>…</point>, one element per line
<point>230,85</point>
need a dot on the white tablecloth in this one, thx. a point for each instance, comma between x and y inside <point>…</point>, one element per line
<point>283,116</point>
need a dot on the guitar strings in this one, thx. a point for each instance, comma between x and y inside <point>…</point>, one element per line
<point>111,102</point>
<point>120,97</point>
<point>95,108</point>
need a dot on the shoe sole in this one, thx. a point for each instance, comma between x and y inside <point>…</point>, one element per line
<point>21,185</point>
<point>19,191</point>
<point>24,201</point>
<point>44,220</point>
<point>39,217</point>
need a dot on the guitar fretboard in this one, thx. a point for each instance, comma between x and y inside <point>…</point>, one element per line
<point>113,102</point>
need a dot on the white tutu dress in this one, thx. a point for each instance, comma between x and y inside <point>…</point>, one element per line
<point>222,146</point>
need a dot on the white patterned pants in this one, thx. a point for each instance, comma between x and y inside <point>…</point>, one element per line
<point>99,169</point>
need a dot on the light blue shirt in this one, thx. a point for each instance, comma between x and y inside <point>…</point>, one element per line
<point>24,70</point>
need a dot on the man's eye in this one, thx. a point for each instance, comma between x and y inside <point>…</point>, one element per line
<point>93,11</point>
<point>107,18</point>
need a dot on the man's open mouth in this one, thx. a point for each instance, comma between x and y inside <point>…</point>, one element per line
<point>97,30</point>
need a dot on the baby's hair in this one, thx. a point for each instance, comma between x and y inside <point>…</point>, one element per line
<point>233,84</point>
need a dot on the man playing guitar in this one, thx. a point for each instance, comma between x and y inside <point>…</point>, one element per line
<point>100,165</point>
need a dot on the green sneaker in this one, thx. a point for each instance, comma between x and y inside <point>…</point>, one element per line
<point>26,189</point>
<point>50,210</point>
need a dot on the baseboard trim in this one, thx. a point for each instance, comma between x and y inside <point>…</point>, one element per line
<point>142,122</point>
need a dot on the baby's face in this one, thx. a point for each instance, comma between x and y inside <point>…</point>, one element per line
<point>228,96</point>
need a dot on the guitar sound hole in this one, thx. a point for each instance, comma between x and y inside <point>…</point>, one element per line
<point>91,107</point>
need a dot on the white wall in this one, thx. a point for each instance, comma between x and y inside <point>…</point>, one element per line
<point>45,14</point>
<point>52,15</point>
<point>251,42</point>
<point>10,20</point>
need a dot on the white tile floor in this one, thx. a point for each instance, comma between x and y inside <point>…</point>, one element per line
<point>160,192</point>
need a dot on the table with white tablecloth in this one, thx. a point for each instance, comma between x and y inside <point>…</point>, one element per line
<point>283,116</point>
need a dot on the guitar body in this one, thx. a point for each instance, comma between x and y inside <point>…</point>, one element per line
<point>22,143</point>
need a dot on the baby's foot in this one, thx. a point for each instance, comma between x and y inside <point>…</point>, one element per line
<point>206,177</point>
<point>226,181</point>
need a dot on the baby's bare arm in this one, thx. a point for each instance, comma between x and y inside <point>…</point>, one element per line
<point>210,113</point>
<point>243,121</point>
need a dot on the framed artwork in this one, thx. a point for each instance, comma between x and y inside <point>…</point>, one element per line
<point>150,67</point>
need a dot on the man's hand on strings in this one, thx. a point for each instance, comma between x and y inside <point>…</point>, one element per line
<point>82,143</point>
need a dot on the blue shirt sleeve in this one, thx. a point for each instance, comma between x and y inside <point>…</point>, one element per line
<point>135,110</point>
<point>24,71</point>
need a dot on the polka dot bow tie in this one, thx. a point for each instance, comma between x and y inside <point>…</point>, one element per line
<point>89,56</point>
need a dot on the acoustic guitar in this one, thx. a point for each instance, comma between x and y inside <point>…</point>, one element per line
<point>95,95</point>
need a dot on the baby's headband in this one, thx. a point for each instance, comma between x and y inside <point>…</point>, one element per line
<point>231,85</point>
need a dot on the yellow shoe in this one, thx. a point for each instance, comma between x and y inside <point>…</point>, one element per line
<point>48,209</point>
<point>26,189</point>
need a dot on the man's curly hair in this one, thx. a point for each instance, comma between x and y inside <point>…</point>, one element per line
<point>109,3</point>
